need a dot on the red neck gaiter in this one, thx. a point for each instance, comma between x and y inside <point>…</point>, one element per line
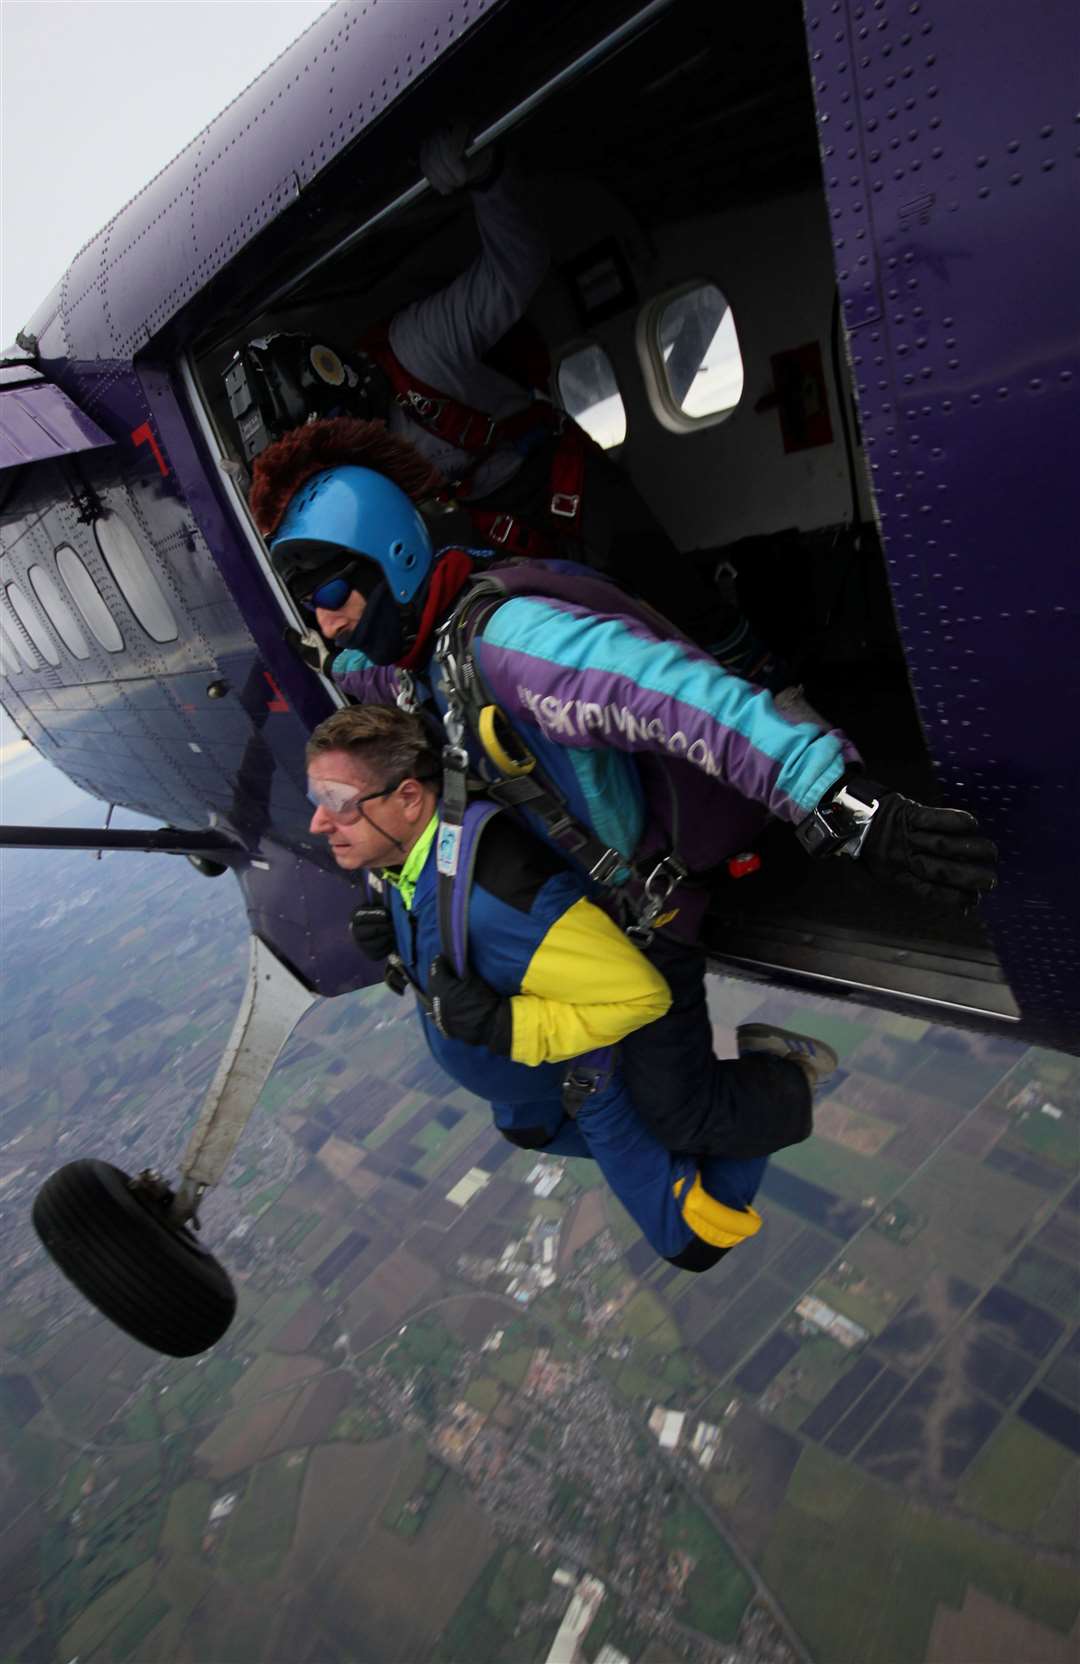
<point>449,576</point>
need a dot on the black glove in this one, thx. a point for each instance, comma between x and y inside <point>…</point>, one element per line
<point>373,932</point>
<point>935,854</point>
<point>466,1008</point>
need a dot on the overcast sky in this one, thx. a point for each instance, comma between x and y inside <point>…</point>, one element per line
<point>96,96</point>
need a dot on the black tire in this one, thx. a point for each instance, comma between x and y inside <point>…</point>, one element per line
<point>208,868</point>
<point>154,1280</point>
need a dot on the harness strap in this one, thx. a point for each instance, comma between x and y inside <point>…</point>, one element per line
<point>510,532</point>
<point>540,798</point>
<point>456,845</point>
<point>568,479</point>
<point>459,424</point>
<point>478,433</point>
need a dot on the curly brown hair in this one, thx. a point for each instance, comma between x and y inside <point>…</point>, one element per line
<point>334,441</point>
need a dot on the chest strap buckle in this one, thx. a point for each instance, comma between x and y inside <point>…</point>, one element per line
<point>579,1085</point>
<point>603,870</point>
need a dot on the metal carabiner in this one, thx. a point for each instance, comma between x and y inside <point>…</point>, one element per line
<point>405,692</point>
<point>659,887</point>
<point>668,873</point>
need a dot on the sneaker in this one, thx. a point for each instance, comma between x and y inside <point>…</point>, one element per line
<point>816,1060</point>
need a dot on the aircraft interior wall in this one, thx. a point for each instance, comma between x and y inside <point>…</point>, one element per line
<point>772,262</point>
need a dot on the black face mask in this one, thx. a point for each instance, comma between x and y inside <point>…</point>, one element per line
<point>380,633</point>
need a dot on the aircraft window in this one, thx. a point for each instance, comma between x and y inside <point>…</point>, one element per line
<point>89,600</point>
<point>134,579</point>
<point>590,394</point>
<point>58,612</point>
<point>32,624</point>
<point>17,652</point>
<point>695,349</point>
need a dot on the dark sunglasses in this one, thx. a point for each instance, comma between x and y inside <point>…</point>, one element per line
<point>331,596</point>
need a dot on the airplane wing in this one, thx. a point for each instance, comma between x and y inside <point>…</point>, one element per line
<point>38,421</point>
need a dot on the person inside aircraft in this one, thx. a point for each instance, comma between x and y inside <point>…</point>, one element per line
<point>550,987</point>
<point>633,751</point>
<point>461,377</point>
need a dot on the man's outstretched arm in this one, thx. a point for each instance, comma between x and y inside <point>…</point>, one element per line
<point>592,680</point>
<point>436,337</point>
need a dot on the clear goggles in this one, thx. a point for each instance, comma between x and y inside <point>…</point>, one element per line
<point>342,802</point>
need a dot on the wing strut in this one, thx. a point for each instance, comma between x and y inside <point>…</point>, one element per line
<point>164,840</point>
<point>274,1001</point>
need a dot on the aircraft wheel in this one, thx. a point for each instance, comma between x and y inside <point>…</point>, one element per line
<point>151,1278</point>
<point>208,868</point>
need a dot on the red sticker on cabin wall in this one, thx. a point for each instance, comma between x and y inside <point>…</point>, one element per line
<point>145,436</point>
<point>279,701</point>
<point>801,397</point>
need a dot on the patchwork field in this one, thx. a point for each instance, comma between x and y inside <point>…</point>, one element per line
<point>1015,1479</point>
<point>902,1565</point>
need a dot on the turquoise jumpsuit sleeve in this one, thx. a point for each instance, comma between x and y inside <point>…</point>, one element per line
<point>592,681</point>
<point>367,683</point>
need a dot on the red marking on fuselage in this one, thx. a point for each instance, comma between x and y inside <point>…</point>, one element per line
<point>145,436</point>
<point>279,701</point>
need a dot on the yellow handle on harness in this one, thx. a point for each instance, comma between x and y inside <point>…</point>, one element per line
<point>487,726</point>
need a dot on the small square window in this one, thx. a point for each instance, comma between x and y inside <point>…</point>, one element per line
<point>691,348</point>
<point>590,394</point>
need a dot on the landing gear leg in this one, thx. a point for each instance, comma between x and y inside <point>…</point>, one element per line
<point>274,1002</point>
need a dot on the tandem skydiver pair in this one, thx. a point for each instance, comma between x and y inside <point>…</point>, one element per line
<point>626,746</point>
<point>650,750</point>
<point>525,988</point>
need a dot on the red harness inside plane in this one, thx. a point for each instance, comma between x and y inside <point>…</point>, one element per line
<point>479,434</point>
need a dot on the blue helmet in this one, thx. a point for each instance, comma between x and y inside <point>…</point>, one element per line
<point>355,512</point>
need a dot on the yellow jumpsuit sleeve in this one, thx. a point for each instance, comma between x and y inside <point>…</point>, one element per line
<point>586,986</point>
